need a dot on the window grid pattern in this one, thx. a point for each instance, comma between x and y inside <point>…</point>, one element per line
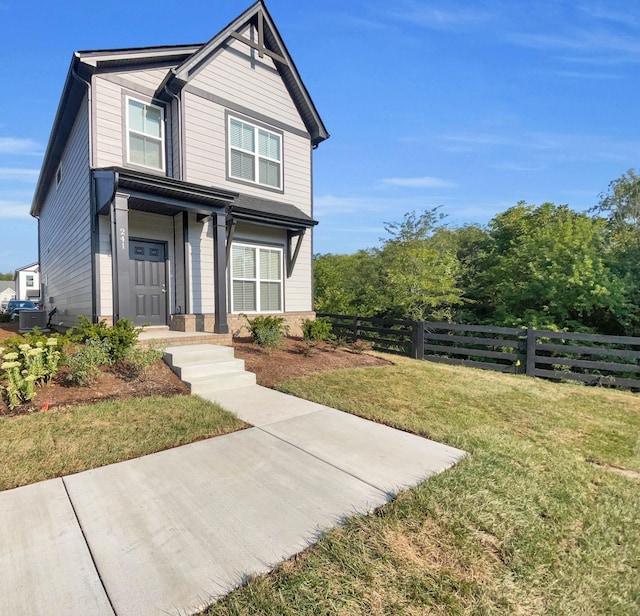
<point>256,279</point>
<point>255,154</point>
<point>145,139</point>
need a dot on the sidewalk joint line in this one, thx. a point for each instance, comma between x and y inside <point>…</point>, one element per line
<point>313,455</point>
<point>86,542</point>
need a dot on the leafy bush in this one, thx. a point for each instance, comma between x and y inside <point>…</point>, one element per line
<point>267,331</point>
<point>5,317</point>
<point>84,366</point>
<point>27,366</point>
<point>318,330</point>
<point>139,359</point>
<point>122,336</point>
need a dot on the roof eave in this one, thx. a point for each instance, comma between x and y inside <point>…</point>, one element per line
<point>72,95</point>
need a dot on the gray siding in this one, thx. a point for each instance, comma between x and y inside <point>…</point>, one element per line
<point>108,93</point>
<point>297,288</point>
<point>253,83</point>
<point>65,231</point>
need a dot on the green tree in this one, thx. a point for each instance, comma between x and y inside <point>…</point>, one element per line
<point>420,269</point>
<point>7,276</point>
<point>349,284</point>
<point>546,267</point>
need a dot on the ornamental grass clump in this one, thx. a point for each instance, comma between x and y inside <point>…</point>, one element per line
<point>26,367</point>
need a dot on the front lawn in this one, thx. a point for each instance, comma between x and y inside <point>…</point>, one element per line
<point>55,443</point>
<point>531,522</point>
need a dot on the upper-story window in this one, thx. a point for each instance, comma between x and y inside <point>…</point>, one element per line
<point>29,280</point>
<point>145,134</point>
<point>255,154</point>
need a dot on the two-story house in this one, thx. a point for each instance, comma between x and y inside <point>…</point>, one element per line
<point>176,186</point>
<point>27,281</point>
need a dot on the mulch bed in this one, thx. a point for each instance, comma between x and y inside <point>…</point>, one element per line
<point>271,367</point>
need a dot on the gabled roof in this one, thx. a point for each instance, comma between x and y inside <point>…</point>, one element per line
<point>182,62</point>
<point>269,43</point>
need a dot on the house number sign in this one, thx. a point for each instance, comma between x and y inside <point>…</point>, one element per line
<point>123,238</point>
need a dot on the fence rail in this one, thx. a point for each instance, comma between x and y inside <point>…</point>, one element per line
<point>594,359</point>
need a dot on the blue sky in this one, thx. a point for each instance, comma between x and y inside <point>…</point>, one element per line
<point>471,105</point>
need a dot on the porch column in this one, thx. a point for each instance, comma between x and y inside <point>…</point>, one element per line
<point>120,257</point>
<point>218,220</point>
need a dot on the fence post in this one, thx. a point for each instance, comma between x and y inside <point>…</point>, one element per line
<point>356,325</point>
<point>531,352</point>
<point>417,340</point>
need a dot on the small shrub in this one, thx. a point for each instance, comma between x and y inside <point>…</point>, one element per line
<point>359,346</point>
<point>306,347</point>
<point>84,366</point>
<point>337,343</point>
<point>138,360</point>
<point>267,331</point>
<point>5,317</point>
<point>318,330</point>
<point>122,336</point>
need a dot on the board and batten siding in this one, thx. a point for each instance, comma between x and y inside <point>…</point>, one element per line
<point>201,277</point>
<point>65,231</point>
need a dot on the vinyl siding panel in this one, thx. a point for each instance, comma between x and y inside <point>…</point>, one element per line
<point>110,145</point>
<point>237,73</point>
<point>201,266</point>
<point>108,124</point>
<point>297,288</point>
<point>206,155</point>
<point>103,269</point>
<point>65,231</point>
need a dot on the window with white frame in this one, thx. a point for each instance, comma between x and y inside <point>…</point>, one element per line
<point>256,278</point>
<point>30,280</point>
<point>145,134</point>
<point>255,154</point>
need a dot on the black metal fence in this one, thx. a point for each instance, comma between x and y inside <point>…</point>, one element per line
<point>594,359</point>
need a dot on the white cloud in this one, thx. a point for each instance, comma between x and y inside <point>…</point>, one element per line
<point>13,145</point>
<point>13,209</point>
<point>438,18</point>
<point>18,175</point>
<point>423,182</point>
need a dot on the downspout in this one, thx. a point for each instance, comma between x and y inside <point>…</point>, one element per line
<point>92,201</point>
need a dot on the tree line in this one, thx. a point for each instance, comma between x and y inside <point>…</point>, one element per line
<point>545,266</point>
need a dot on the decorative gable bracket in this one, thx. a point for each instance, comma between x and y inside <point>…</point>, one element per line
<point>292,255</point>
<point>260,46</point>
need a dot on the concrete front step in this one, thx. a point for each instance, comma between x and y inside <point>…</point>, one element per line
<point>206,368</point>
<point>193,370</point>
<point>196,354</point>
<point>207,385</point>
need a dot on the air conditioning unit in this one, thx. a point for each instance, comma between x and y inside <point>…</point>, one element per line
<point>32,318</point>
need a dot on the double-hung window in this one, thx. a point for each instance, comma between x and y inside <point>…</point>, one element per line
<point>256,278</point>
<point>145,134</point>
<point>255,154</point>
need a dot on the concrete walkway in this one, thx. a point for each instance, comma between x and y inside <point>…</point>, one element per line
<point>169,532</point>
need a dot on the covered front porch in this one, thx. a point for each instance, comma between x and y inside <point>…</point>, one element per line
<point>165,254</point>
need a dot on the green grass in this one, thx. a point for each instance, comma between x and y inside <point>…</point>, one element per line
<point>46,445</point>
<point>525,524</point>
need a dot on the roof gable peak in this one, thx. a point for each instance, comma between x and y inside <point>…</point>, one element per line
<point>269,43</point>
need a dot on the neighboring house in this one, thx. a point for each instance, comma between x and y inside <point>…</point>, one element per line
<point>7,292</point>
<point>176,186</point>
<point>27,281</point>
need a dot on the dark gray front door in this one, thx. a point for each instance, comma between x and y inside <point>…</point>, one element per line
<point>149,280</point>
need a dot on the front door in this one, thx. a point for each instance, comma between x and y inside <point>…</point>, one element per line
<point>149,280</point>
